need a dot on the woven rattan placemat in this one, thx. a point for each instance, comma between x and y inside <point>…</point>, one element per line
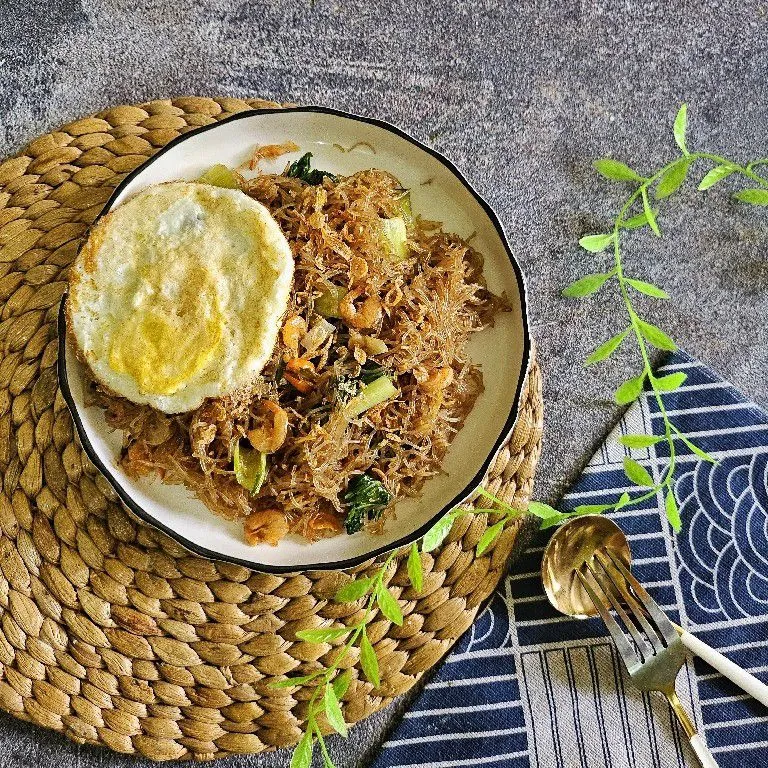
<point>112,633</point>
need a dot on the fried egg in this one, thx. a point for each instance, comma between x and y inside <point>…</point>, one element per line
<point>178,294</point>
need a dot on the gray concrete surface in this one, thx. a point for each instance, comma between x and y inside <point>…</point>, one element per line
<point>522,97</point>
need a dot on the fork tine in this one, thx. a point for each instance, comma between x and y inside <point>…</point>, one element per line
<point>625,649</point>
<point>665,626</point>
<point>643,648</point>
<point>620,584</point>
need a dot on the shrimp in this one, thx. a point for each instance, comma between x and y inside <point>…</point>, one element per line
<point>265,525</point>
<point>294,330</point>
<point>438,381</point>
<point>366,316</point>
<point>269,436</point>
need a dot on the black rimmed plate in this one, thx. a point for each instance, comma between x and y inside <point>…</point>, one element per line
<point>344,144</point>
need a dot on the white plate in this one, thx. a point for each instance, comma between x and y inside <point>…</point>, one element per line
<point>439,192</point>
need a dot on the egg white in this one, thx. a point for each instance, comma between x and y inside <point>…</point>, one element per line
<point>178,294</point>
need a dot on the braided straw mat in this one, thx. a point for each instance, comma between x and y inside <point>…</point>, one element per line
<point>111,632</point>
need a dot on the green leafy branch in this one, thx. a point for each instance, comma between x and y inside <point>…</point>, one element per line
<point>330,684</point>
<point>637,212</point>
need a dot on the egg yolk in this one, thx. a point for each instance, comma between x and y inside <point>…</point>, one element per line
<point>168,339</point>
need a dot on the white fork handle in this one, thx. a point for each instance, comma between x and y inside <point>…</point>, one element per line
<point>701,750</point>
<point>733,672</point>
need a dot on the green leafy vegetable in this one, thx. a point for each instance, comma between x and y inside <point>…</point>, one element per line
<point>379,390</point>
<point>220,176</point>
<point>346,387</point>
<point>366,498</point>
<point>404,203</point>
<point>250,466</point>
<point>327,303</point>
<point>396,237</point>
<point>302,169</point>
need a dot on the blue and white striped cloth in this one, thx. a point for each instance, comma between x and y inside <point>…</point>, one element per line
<point>528,688</point>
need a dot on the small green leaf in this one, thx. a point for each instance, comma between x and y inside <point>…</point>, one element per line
<point>639,441</point>
<point>544,511</point>
<point>616,170</point>
<point>333,711</point>
<point>650,215</point>
<point>290,682</point>
<point>656,336</point>
<point>649,289</point>
<point>630,390</point>
<point>551,522</point>
<point>718,173</point>
<point>753,196</point>
<point>341,683</point>
<point>637,473</point>
<point>415,571</point>
<point>591,509</point>
<point>624,499</point>
<point>489,536</point>
<point>607,349</point>
<point>352,591</point>
<point>435,536</point>
<point>698,451</point>
<point>302,754</point>
<point>635,222</point>
<point>670,382</point>
<point>680,127</point>
<point>322,635</point>
<point>673,513</point>
<point>672,179</point>
<point>596,243</point>
<point>369,661</point>
<point>585,286</point>
<point>388,605</point>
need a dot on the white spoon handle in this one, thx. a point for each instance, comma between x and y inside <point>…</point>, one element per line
<point>701,750</point>
<point>733,672</point>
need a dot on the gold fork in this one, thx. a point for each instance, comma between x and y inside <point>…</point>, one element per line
<point>653,653</point>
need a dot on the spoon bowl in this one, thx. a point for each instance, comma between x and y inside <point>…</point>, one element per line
<point>573,544</point>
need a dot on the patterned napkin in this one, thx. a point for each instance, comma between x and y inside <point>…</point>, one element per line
<point>528,688</point>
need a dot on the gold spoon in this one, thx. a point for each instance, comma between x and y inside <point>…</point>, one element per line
<point>572,545</point>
